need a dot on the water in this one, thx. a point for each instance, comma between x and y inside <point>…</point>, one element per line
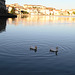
<point>45,32</point>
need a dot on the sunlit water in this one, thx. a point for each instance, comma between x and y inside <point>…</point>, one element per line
<point>45,32</point>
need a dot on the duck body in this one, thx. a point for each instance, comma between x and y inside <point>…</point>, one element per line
<point>52,50</point>
<point>33,48</point>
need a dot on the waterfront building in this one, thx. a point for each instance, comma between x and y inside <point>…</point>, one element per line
<point>39,10</point>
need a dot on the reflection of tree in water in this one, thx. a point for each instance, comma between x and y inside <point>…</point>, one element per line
<point>13,19</point>
<point>24,16</point>
<point>2,24</point>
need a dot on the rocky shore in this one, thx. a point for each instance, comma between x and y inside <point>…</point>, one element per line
<point>8,15</point>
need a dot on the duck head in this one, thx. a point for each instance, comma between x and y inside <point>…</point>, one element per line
<point>36,47</point>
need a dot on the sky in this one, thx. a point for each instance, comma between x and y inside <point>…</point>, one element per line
<point>58,4</point>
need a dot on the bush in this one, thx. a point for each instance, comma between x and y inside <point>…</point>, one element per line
<point>13,10</point>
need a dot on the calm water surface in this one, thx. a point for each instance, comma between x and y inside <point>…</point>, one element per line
<point>45,32</point>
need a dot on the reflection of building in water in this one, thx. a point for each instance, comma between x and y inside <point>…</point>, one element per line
<point>2,24</point>
<point>41,20</point>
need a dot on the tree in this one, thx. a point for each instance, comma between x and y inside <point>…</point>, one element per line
<point>13,10</point>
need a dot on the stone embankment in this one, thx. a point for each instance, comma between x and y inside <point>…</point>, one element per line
<point>8,15</point>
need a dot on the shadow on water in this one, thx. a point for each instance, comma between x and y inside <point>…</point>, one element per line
<point>2,24</point>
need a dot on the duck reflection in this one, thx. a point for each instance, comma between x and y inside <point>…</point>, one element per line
<point>34,50</point>
<point>56,53</point>
<point>2,24</point>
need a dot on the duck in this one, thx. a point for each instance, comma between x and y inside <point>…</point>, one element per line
<point>52,50</point>
<point>33,48</point>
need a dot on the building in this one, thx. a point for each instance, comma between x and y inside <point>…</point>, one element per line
<point>33,6</point>
<point>2,4</point>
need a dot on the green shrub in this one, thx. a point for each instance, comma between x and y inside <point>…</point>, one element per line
<point>13,10</point>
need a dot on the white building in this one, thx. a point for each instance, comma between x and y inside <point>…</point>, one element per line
<point>9,9</point>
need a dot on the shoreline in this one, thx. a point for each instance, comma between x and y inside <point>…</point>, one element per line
<point>8,15</point>
<point>47,15</point>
